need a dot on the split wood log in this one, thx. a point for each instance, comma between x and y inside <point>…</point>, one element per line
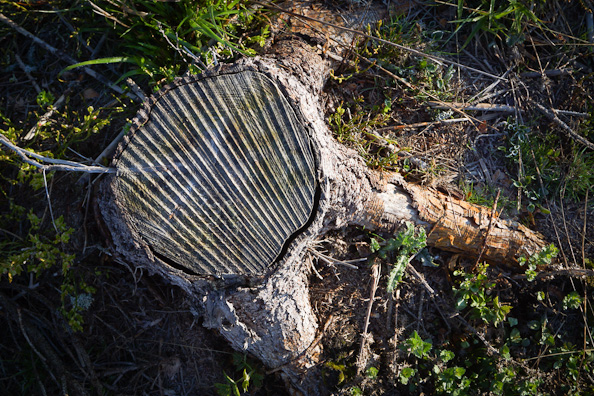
<point>264,308</point>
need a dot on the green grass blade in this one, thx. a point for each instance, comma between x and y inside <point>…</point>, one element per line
<point>101,61</point>
<point>479,25</point>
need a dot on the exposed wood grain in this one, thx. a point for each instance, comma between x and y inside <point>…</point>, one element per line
<point>217,175</point>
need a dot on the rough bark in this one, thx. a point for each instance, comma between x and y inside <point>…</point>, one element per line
<point>273,319</point>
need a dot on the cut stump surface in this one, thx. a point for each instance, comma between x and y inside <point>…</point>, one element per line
<point>260,302</point>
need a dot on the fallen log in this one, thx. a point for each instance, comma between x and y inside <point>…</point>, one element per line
<point>200,196</point>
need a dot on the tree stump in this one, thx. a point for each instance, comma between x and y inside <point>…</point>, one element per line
<point>265,309</point>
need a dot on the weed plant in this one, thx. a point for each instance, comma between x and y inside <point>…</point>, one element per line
<point>250,379</point>
<point>407,245</point>
<point>504,21</point>
<point>545,166</point>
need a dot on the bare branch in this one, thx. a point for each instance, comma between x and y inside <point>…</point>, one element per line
<point>57,165</point>
<point>566,128</point>
<point>473,107</point>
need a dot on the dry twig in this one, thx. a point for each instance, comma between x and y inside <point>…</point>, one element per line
<point>57,165</point>
<point>569,272</point>
<point>473,107</point>
<point>551,114</point>
<point>330,260</point>
<point>26,71</point>
<point>46,117</point>
<point>375,277</point>
<point>424,124</point>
